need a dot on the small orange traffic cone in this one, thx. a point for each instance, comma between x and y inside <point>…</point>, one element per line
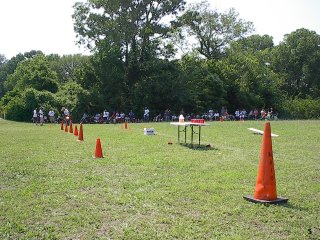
<point>98,152</point>
<point>66,128</point>
<point>265,191</point>
<point>70,128</point>
<point>221,119</point>
<point>61,125</point>
<point>80,136</point>
<point>125,125</point>
<point>75,133</point>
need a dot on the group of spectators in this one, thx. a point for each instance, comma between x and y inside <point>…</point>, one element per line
<point>107,117</point>
<point>167,115</point>
<point>38,116</point>
<point>242,114</point>
<point>115,117</point>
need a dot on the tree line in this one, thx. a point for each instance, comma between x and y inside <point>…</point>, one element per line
<point>199,59</point>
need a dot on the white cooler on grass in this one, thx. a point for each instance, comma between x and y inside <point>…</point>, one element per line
<point>149,131</point>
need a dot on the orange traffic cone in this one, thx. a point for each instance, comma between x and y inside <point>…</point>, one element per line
<point>125,125</point>
<point>61,125</point>
<point>98,152</point>
<point>70,128</point>
<point>66,128</point>
<point>80,136</point>
<point>221,119</point>
<point>265,191</point>
<point>75,133</point>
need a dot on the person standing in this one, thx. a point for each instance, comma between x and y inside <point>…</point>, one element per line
<point>66,116</point>
<point>146,114</point>
<point>35,117</point>
<point>105,116</point>
<point>51,116</point>
<point>41,119</point>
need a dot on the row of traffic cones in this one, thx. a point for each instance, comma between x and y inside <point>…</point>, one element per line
<point>98,150</point>
<point>70,130</point>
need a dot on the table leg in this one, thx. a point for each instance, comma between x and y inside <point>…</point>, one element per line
<point>185,134</point>
<point>191,135</point>
<point>199,134</point>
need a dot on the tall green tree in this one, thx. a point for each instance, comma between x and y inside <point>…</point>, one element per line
<point>204,88</point>
<point>248,76</point>
<point>162,87</point>
<point>297,59</point>
<point>213,30</point>
<point>67,66</point>
<point>2,62</point>
<point>34,73</point>
<point>134,27</point>
<point>125,34</point>
<point>9,66</point>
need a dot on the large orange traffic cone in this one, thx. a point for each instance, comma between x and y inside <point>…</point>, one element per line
<point>61,125</point>
<point>70,128</point>
<point>98,152</point>
<point>75,133</point>
<point>266,191</point>
<point>66,128</point>
<point>80,137</point>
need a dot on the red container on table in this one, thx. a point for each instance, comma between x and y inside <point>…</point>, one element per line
<point>197,121</point>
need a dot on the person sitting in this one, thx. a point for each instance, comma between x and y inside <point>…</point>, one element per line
<point>243,114</point>
<point>97,118</point>
<point>158,118</point>
<point>84,118</point>
<point>216,116</point>
<point>255,114</point>
<point>131,116</point>
<point>122,117</point>
<point>263,114</point>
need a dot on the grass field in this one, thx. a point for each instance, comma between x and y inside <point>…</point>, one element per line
<point>52,188</point>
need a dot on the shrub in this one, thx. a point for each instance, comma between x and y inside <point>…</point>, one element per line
<point>301,108</point>
<point>19,105</point>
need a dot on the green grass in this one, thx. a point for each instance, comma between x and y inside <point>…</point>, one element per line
<point>52,188</point>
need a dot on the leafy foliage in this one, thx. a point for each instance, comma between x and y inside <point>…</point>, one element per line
<point>301,108</point>
<point>19,105</point>
<point>297,58</point>
<point>34,73</point>
<point>213,30</point>
<point>133,65</point>
<point>74,97</point>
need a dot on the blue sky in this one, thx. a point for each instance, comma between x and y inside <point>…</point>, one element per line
<point>46,25</point>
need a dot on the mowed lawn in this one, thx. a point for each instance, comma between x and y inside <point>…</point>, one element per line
<point>144,188</point>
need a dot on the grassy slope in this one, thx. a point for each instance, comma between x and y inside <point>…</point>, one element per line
<point>52,188</point>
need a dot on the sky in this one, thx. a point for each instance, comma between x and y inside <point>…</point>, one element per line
<point>47,25</point>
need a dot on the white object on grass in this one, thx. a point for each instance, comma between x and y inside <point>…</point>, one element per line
<point>149,131</point>
<point>257,131</point>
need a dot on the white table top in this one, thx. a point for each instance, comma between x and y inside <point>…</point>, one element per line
<point>188,124</point>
